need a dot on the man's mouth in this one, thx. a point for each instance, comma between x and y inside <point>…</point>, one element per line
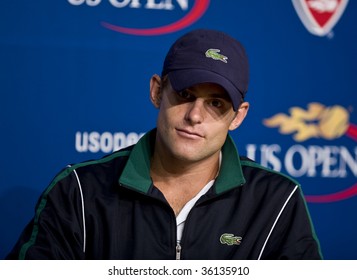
<point>189,134</point>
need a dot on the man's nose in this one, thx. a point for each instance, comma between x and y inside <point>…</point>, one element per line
<point>195,111</point>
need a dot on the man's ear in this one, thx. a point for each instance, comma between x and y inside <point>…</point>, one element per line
<point>155,90</point>
<point>240,116</point>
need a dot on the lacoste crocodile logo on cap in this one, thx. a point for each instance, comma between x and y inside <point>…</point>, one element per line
<point>230,239</point>
<point>215,54</point>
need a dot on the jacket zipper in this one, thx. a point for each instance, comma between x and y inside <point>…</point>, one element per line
<point>178,247</point>
<point>178,251</point>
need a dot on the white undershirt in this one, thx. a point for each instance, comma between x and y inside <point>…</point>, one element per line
<point>181,217</point>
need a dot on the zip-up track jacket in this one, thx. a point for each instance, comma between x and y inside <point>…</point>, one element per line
<point>109,209</point>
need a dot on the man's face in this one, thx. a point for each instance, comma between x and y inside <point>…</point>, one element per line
<point>193,124</point>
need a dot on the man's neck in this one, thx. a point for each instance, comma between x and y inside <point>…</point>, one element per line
<point>180,181</point>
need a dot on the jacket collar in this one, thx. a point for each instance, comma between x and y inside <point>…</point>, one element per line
<point>136,173</point>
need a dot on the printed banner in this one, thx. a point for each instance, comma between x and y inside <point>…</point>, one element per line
<point>75,86</point>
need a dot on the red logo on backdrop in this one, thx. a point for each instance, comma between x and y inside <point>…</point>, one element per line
<point>320,16</point>
<point>198,9</point>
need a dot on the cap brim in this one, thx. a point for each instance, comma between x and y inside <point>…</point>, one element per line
<point>182,79</point>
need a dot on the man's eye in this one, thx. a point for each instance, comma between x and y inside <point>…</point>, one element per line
<point>184,94</point>
<point>216,103</point>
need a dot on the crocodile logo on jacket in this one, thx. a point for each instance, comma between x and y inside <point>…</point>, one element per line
<point>230,239</point>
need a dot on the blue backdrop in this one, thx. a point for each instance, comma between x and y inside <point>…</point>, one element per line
<point>74,86</point>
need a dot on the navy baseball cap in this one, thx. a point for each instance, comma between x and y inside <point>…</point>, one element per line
<point>208,56</point>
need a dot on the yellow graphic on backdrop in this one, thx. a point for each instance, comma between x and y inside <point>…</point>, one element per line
<point>318,121</point>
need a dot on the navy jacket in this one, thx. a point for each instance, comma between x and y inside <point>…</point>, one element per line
<point>109,209</point>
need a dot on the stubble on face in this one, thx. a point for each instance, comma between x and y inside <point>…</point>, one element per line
<point>191,128</point>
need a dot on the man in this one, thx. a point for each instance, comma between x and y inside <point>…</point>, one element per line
<point>182,191</point>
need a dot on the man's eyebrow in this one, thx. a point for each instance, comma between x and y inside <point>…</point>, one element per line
<point>222,95</point>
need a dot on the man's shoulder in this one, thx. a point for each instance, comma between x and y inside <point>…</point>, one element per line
<point>109,165</point>
<point>252,169</point>
<point>109,159</point>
